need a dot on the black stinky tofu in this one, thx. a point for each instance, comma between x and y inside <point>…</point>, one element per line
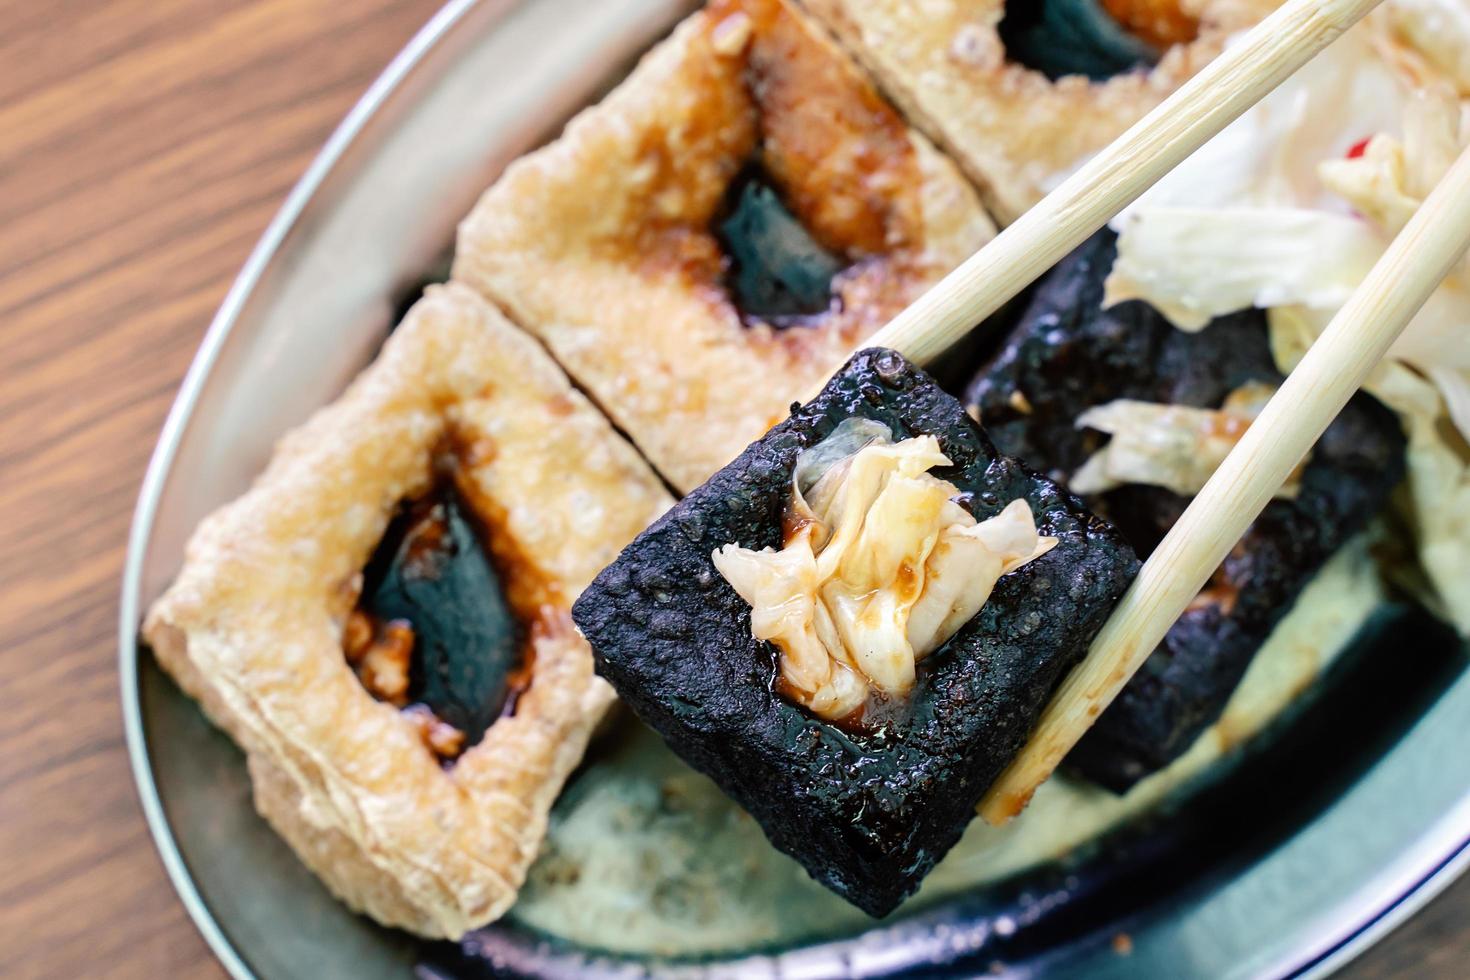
<point>868,812</point>
<point>1068,354</point>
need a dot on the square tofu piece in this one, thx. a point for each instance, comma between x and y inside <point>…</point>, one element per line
<point>867,809</point>
<point>712,240</point>
<point>966,73</point>
<point>1067,356</point>
<point>382,622</point>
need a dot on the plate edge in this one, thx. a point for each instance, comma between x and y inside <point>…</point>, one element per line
<point>180,412</point>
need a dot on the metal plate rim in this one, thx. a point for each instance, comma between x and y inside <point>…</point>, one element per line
<point>1398,911</point>
<point>1352,939</point>
<point>200,368</point>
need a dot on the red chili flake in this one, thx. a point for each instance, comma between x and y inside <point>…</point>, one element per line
<point>1359,148</point>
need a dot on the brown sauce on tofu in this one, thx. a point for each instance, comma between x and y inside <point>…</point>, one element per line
<point>782,109</point>
<point>441,627</point>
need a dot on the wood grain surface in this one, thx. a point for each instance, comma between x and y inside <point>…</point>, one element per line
<point>144,144</point>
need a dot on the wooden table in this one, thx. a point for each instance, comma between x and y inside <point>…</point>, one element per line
<point>144,144</point>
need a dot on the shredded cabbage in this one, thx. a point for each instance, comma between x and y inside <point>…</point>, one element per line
<point>1193,265</point>
<point>1439,29</point>
<point>1276,213</point>
<point>1268,157</point>
<point>879,568</point>
<point>1177,447</point>
<point>1438,460</point>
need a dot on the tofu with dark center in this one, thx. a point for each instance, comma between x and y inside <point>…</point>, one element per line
<point>1066,355</point>
<point>868,811</point>
<point>431,573</point>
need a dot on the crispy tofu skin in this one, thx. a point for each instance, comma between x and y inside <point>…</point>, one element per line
<point>1067,355</point>
<point>1016,132</point>
<point>253,626</point>
<point>604,243</point>
<point>867,812</point>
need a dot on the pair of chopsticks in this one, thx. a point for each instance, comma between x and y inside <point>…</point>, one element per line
<point>1280,438</point>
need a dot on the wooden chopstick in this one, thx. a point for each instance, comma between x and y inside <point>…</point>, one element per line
<point>1333,369</point>
<point>1237,79</point>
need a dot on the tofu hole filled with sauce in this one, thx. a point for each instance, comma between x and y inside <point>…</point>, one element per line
<point>1097,39</point>
<point>881,564</point>
<point>433,632</point>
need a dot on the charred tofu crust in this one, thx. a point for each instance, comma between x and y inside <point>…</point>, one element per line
<point>867,814</point>
<point>1068,354</point>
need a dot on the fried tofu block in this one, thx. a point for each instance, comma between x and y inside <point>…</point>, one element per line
<point>1017,132</point>
<point>711,241</point>
<point>1068,355</point>
<point>399,813</point>
<point>867,809</point>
